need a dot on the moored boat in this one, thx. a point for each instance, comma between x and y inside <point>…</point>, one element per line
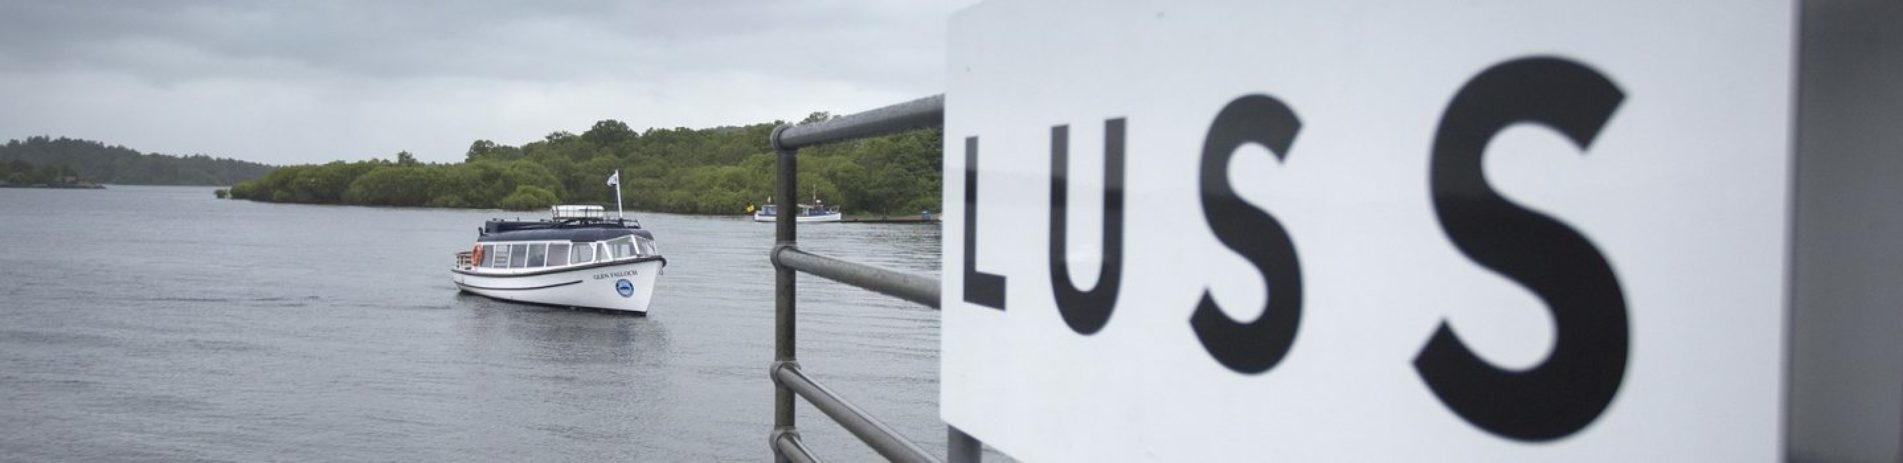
<point>807,212</point>
<point>577,258</point>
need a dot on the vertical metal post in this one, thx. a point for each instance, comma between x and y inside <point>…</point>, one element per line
<point>787,379</point>
<point>961,447</point>
<point>784,235</point>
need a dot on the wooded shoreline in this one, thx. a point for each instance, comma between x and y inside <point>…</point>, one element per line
<point>719,170</point>
<point>88,186</point>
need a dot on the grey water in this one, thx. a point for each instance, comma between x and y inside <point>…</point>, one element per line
<point>160,323</point>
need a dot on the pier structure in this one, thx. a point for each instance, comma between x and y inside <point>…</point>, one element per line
<point>789,379</point>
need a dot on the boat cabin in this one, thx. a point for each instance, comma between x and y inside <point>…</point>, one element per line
<point>573,238</point>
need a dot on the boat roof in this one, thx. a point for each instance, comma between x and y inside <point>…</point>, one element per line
<point>568,230</point>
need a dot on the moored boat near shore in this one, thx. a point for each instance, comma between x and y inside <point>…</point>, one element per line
<point>808,213</point>
<point>815,211</point>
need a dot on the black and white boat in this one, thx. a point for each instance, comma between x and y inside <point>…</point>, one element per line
<point>577,258</point>
<point>808,213</point>
<point>815,211</point>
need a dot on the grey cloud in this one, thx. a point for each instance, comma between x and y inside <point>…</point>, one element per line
<point>516,40</point>
<point>307,81</point>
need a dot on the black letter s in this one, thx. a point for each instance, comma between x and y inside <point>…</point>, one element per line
<point>1576,383</point>
<point>1257,346</point>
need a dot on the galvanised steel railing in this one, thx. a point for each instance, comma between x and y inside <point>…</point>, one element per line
<point>788,379</point>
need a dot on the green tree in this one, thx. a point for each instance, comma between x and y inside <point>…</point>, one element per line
<point>393,186</point>
<point>528,197</point>
<point>478,150</point>
<point>608,132</point>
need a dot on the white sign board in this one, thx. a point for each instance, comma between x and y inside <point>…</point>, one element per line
<point>1368,230</point>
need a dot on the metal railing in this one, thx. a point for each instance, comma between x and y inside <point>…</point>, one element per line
<point>788,379</point>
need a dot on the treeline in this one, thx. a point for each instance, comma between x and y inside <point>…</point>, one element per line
<point>22,173</point>
<point>698,171</point>
<point>120,165</point>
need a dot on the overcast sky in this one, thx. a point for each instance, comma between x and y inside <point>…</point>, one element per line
<point>314,81</point>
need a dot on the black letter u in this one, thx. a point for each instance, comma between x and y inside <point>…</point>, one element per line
<point>1087,311</point>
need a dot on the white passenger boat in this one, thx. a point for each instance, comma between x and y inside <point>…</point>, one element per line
<point>578,258</point>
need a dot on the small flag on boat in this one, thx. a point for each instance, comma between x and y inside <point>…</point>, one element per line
<point>615,179</point>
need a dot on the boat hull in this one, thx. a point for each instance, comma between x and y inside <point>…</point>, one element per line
<point>622,286</point>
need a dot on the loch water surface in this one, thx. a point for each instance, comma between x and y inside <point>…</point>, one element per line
<point>161,323</point>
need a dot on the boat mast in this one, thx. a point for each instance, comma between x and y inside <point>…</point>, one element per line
<point>619,214</point>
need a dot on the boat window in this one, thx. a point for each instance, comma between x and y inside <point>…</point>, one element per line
<point>518,255</point>
<point>557,254</point>
<point>622,247</point>
<point>488,255</point>
<point>536,252</point>
<point>584,253</point>
<point>499,258</point>
<point>647,247</point>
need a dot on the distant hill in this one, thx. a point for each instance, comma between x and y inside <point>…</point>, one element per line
<point>97,162</point>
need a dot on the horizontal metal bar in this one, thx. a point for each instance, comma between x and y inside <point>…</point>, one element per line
<point>902,285</point>
<point>922,112</point>
<point>870,430</point>
<point>787,446</point>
